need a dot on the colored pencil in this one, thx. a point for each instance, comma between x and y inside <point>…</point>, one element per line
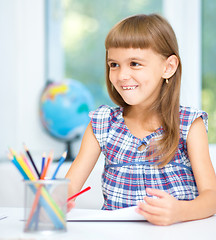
<point>23,165</point>
<point>77,194</point>
<point>27,163</point>
<point>49,160</point>
<point>34,206</point>
<point>61,160</point>
<point>32,161</point>
<point>43,163</point>
<point>14,161</point>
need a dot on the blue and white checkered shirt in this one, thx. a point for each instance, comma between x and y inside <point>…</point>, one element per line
<point>127,172</point>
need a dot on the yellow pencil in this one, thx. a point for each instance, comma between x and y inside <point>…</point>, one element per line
<point>25,167</point>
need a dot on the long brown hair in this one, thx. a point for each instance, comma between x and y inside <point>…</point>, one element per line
<point>152,31</point>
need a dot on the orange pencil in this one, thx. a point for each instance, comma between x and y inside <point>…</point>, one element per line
<point>49,160</point>
<point>34,206</point>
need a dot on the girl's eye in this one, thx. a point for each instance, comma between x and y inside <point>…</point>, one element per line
<point>134,64</point>
<point>113,65</point>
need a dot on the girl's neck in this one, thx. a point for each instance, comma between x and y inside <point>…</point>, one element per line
<point>148,120</point>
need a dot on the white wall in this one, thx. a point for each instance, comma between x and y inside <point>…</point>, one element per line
<point>185,18</point>
<point>22,77</point>
<point>8,96</point>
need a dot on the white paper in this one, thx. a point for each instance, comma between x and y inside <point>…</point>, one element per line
<point>123,214</point>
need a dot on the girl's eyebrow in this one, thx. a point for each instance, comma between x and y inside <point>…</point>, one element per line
<point>130,59</point>
<point>110,60</point>
<point>137,58</point>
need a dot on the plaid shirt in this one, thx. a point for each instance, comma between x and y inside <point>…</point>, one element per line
<point>127,172</point>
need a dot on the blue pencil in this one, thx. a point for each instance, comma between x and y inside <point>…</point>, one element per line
<point>14,161</point>
<point>43,163</point>
<point>36,215</point>
<point>61,160</point>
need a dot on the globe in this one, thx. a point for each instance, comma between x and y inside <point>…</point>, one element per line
<point>64,109</point>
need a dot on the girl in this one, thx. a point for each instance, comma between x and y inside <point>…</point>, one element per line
<point>156,151</point>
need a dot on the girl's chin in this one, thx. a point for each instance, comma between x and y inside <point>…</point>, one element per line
<point>130,102</point>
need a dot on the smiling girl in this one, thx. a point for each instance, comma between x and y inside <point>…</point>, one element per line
<point>156,151</point>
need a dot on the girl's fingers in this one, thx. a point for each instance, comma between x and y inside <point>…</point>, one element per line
<point>143,207</point>
<point>156,192</point>
<point>70,205</point>
<point>155,219</point>
<point>160,210</point>
<point>156,202</point>
<point>162,200</point>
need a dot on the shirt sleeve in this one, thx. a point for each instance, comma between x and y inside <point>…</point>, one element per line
<point>188,116</point>
<point>101,121</point>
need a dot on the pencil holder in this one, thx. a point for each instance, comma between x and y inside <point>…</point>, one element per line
<point>45,205</point>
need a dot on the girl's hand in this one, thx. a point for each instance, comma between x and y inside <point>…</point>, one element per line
<point>70,205</point>
<point>163,210</point>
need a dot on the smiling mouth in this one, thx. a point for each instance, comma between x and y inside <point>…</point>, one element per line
<point>129,87</point>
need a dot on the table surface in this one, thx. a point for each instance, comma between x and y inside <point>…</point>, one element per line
<point>11,227</point>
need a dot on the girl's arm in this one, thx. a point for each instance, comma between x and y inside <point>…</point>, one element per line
<point>165,209</point>
<point>198,150</point>
<point>84,162</point>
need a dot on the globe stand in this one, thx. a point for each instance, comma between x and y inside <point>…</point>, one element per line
<point>70,157</point>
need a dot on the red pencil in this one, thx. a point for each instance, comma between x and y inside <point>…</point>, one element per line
<point>77,194</point>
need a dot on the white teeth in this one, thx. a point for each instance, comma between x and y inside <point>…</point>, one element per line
<point>129,88</point>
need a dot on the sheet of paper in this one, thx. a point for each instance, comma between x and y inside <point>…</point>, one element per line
<point>123,214</point>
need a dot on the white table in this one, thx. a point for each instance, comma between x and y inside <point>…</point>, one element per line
<point>12,228</point>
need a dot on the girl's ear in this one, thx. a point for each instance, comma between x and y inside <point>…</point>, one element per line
<point>170,66</point>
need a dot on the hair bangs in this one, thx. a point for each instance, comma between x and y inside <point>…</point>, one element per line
<point>132,35</point>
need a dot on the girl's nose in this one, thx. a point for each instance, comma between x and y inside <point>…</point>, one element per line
<point>124,74</point>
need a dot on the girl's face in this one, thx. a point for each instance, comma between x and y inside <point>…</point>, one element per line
<point>136,74</point>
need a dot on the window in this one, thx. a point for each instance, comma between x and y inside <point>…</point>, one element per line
<point>208,65</point>
<point>76,34</point>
